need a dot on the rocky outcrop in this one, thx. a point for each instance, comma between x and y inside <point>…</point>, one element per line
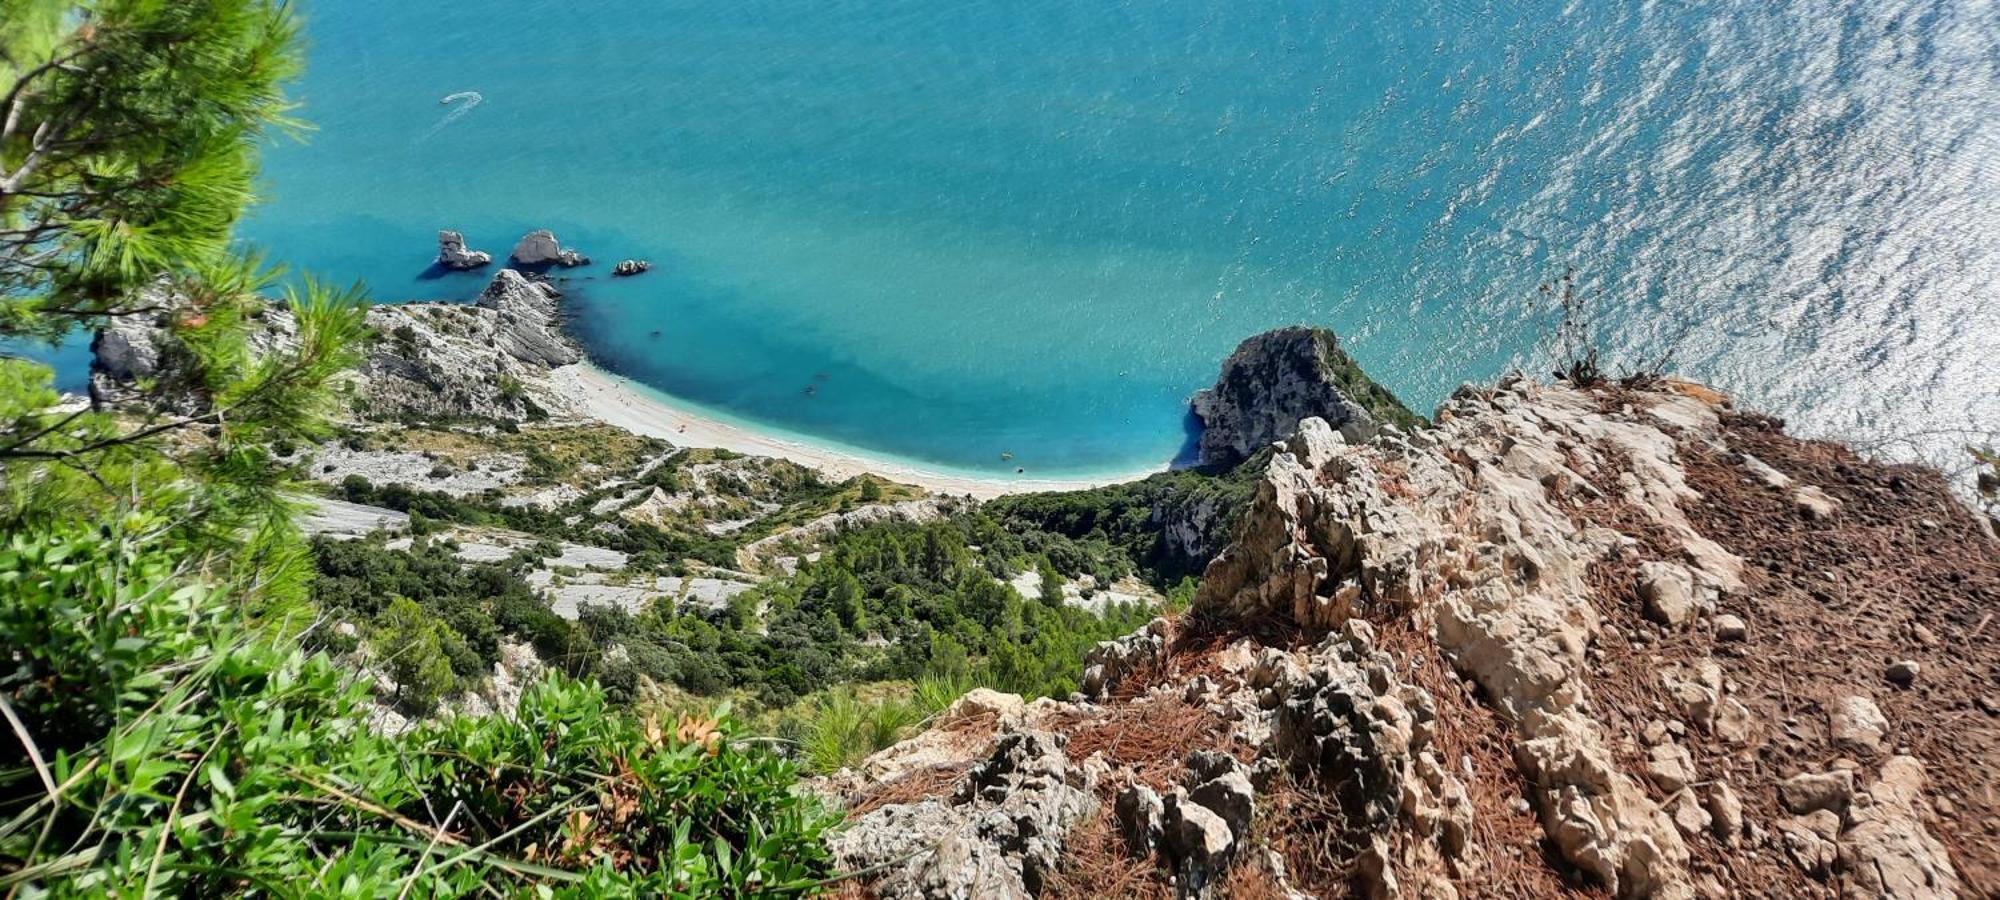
<point>629,267</point>
<point>1572,650</point>
<point>540,249</point>
<point>1280,377</point>
<point>1471,539</point>
<point>454,255</point>
<point>1000,832</point>
<point>487,360</point>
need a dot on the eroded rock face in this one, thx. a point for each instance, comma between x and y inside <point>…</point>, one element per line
<point>1111,663</point>
<point>1460,526</point>
<point>1280,377</point>
<point>1000,833</point>
<point>453,254</point>
<point>1499,542</point>
<point>488,360</point>
<point>540,248</point>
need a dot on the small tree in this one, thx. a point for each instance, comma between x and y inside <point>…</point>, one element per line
<point>410,644</point>
<point>1052,583</point>
<point>128,138</point>
<point>871,489</point>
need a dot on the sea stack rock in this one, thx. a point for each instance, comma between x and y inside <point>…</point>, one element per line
<point>454,255</point>
<point>540,248</point>
<point>629,267</point>
<point>1277,378</point>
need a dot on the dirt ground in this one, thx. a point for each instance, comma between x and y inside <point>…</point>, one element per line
<point>1902,571</point>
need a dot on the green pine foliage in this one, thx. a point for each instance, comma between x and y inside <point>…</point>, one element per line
<point>171,724</point>
<point>167,749</point>
<point>889,602</point>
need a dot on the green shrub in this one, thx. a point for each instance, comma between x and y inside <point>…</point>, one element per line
<point>169,750</point>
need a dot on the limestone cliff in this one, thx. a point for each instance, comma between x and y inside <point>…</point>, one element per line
<point>1277,378</point>
<point>1610,635</point>
<point>486,360</point>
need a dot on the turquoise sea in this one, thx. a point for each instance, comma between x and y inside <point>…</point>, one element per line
<point>1036,226</point>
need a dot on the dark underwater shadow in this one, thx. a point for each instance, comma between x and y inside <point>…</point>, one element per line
<point>1190,452</point>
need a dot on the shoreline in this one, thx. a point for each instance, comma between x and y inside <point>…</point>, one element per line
<point>621,402</point>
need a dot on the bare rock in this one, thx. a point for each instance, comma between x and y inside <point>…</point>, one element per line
<point>1275,379</point>
<point>1904,673</point>
<point>1670,767</point>
<point>1688,814</point>
<point>1001,833</point>
<point>1111,663</point>
<point>1857,725</point>
<point>1140,813</point>
<point>453,254</point>
<point>627,268</point>
<point>1006,710</point>
<point>1734,723</point>
<point>1725,812</point>
<point>1221,783</point>
<point>1669,593</point>
<point>1887,852</point>
<point>1729,627</point>
<point>1198,841</point>
<point>1809,841</point>
<point>1814,791</point>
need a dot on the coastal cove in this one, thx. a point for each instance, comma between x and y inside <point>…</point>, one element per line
<point>1000,235</point>
<point>624,403</point>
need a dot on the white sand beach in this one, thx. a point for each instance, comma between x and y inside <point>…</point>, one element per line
<point>618,401</point>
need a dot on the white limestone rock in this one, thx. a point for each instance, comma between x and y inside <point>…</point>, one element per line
<point>454,255</point>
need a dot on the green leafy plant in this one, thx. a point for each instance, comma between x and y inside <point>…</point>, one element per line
<point>162,747</point>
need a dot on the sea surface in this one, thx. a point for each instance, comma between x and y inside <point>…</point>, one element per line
<point>944,231</point>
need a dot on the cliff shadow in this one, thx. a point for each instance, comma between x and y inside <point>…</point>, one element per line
<point>1189,454</point>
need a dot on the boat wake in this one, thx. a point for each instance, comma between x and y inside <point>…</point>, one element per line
<point>471,99</point>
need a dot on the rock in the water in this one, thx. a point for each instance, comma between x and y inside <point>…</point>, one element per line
<point>453,254</point>
<point>540,248</point>
<point>1277,378</point>
<point>628,267</point>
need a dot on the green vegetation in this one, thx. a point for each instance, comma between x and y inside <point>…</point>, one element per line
<point>1358,387</point>
<point>167,732</point>
<point>167,749</point>
<point>1128,519</point>
<point>884,603</point>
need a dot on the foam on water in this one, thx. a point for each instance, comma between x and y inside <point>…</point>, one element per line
<point>947,231</point>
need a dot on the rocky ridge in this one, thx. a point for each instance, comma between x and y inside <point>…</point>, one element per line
<point>1534,647</point>
<point>489,359</point>
<point>1277,378</point>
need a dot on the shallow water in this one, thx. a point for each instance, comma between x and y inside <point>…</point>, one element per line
<point>947,231</point>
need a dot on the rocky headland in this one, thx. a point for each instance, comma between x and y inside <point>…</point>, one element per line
<point>1614,637</point>
<point>1278,378</point>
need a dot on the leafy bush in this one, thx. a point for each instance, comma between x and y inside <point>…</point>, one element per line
<point>163,748</point>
